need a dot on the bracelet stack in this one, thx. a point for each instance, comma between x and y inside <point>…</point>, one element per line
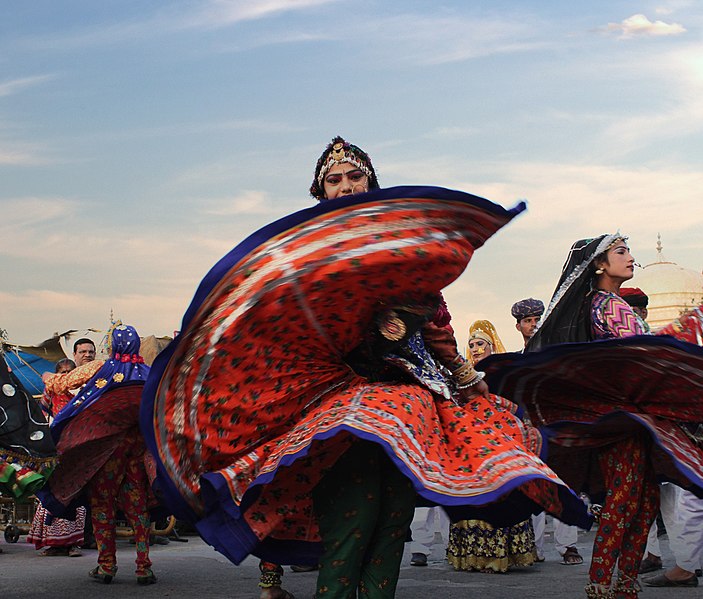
<point>477,379</point>
<point>466,376</point>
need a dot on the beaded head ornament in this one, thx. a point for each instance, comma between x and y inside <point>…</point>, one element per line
<point>339,151</point>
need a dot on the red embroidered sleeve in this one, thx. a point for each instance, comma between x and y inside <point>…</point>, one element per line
<point>442,343</point>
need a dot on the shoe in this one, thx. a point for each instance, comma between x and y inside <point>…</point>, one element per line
<point>148,578</point>
<point>662,581</point>
<point>74,551</point>
<point>301,568</point>
<point>99,574</point>
<point>650,564</point>
<point>418,559</point>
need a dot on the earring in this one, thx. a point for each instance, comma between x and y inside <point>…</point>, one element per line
<point>599,271</point>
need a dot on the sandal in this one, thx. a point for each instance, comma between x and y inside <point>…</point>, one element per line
<point>598,591</point>
<point>102,575</point>
<point>571,557</point>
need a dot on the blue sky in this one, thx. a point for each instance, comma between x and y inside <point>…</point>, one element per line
<point>140,141</point>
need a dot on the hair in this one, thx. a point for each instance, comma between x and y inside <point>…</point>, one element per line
<point>81,341</point>
<point>63,361</point>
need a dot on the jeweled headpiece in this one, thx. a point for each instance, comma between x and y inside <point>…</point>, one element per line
<point>337,152</point>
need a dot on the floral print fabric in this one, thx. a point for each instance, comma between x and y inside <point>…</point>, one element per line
<point>254,401</point>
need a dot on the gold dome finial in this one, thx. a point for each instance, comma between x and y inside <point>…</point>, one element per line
<point>660,258</point>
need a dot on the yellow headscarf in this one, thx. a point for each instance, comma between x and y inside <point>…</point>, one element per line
<point>484,329</point>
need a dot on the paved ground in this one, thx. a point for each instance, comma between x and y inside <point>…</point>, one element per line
<point>194,570</point>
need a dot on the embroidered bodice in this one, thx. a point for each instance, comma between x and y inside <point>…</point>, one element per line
<point>612,316</point>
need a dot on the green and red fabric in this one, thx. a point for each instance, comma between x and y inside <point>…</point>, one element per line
<point>253,402</point>
<point>27,452</point>
<point>364,506</point>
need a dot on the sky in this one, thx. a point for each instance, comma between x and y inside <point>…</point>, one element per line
<point>141,141</point>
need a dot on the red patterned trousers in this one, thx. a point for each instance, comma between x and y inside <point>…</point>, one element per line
<point>631,505</point>
<point>121,483</point>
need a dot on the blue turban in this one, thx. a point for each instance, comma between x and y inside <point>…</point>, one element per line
<point>527,307</point>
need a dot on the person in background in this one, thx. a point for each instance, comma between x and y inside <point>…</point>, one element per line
<point>476,544</point>
<point>527,313</point>
<point>428,522</point>
<point>638,301</point>
<point>682,513</point>
<point>57,536</point>
<point>52,403</point>
<point>83,351</point>
<point>65,385</point>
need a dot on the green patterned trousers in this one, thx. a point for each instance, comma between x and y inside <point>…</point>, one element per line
<point>364,507</point>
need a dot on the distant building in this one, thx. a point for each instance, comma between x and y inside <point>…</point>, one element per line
<point>671,288</point>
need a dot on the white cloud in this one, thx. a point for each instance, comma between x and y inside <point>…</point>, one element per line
<point>221,13</point>
<point>247,202</point>
<point>214,14</point>
<point>440,39</point>
<point>451,133</point>
<point>681,71</point>
<point>29,211</point>
<point>672,6</point>
<point>14,86</point>
<point>14,156</point>
<point>640,25</point>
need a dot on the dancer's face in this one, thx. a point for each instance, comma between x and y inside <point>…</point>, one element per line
<point>479,349</point>
<point>619,263</point>
<point>344,179</point>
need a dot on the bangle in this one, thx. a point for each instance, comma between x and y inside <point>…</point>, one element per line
<point>464,374</point>
<point>477,379</point>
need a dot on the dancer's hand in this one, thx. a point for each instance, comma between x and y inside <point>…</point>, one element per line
<point>480,388</point>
